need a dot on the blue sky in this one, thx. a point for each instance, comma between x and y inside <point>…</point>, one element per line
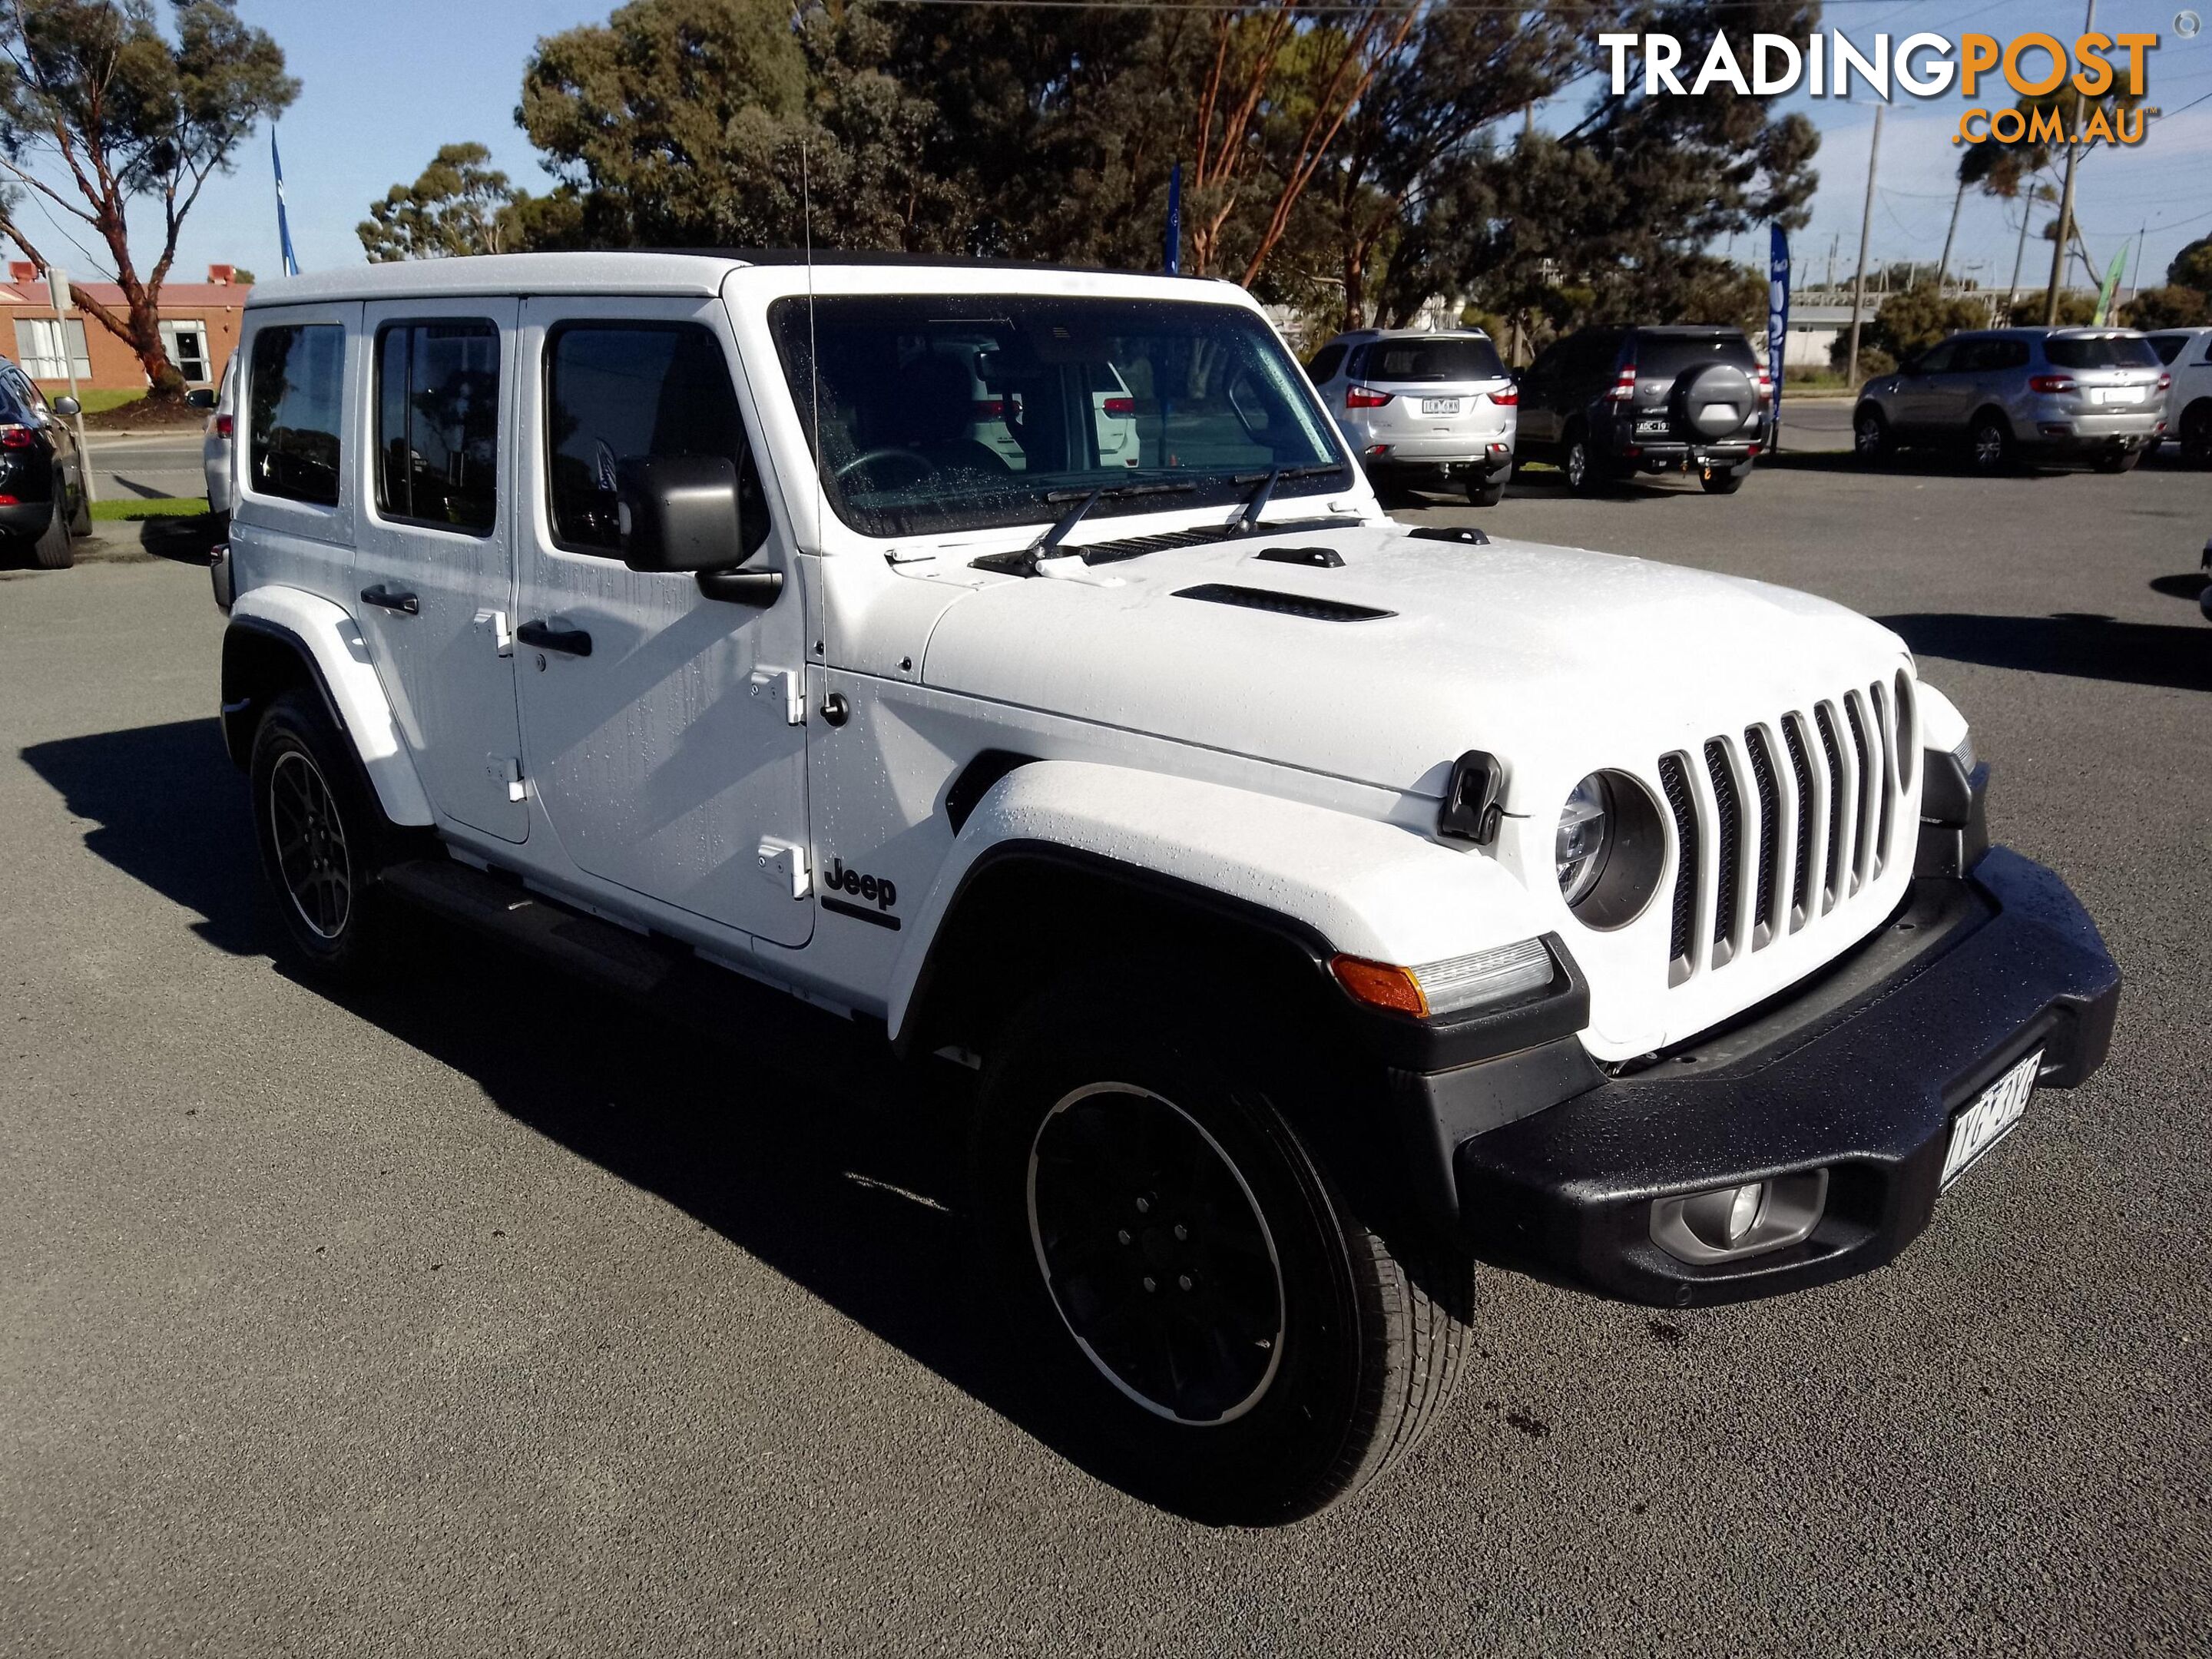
<point>384,85</point>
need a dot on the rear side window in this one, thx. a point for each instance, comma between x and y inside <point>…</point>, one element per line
<point>437,423</point>
<point>1323,367</point>
<point>617,390</point>
<point>1665,355</point>
<point>296,395</point>
<point>2100,351</point>
<point>2168,346</point>
<point>1985,356</point>
<point>1433,359</point>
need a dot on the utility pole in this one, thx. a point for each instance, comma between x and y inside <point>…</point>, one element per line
<point>1943,265</point>
<point>2027,201</point>
<point>2066,200</point>
<point>1866,229</point>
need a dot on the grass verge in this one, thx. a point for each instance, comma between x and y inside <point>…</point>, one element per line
<point>132,510</point>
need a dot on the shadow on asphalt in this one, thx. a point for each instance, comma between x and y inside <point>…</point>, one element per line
<point>2087,647</point>
<point>180,539</point>
<point>794,1134</point>
<point>2187,585</point>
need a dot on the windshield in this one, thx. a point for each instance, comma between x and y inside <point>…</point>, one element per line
<point>1663,357</point>
<point>950,412</point>
<point>2100,351</point>
<point>1433,359</point>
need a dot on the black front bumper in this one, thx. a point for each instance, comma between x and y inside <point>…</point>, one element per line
<point>1859,1073</point>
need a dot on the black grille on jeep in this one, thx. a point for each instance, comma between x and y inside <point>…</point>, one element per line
<point>1793,735</point>
<point>1770,823</point>
<point>1674,779</point>
<point>1284,605</point>
<point>1827,724</point>
<point>1862,852</point>
<point>1729,833</point>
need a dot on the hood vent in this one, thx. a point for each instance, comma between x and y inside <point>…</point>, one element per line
<point>1286,605</point>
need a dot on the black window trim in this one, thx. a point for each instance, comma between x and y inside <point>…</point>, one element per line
<point>561,325</point>
<point>376,446</point>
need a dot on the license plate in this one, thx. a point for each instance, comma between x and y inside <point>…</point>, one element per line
<point>1439,406</point>
<point>2119,394</point>
<point>1991,1117</point>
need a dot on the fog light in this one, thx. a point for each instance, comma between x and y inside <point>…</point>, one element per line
<point>1727,1224</point>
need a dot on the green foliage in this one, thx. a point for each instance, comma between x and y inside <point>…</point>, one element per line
<point>2171,307</point>
<point>458,205</point>
<point>2192,266</point>
<point>127,113</point>
<point>1911,321</point>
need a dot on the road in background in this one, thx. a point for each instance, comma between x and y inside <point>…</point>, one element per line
<point>481,1316</point>
<point>126,466</point>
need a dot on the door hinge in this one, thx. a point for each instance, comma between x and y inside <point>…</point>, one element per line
<point>783,685</point>
<point>507,772</point>
<point>495,623</point>
<point>783,867</point>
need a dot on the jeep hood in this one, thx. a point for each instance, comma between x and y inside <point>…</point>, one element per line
<point>1559,660</point>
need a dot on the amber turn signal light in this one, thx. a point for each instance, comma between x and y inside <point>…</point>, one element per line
<point>1380,985</point>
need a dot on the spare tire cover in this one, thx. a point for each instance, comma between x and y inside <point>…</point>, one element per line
<point>1714,399</point>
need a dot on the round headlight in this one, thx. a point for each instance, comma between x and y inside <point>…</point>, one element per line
<point>1585,832</point>
<point>1610,849</point>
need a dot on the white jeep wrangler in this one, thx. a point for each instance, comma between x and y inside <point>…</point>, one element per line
<point>1015,660</point>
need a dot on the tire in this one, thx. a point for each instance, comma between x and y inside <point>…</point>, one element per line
<point>1723,480</point>
<point>1312,1358</point>
<point>2126,460</point>
<point>323,840</point>
<point>2195,438</point>
<point>52,550</point>
<point>1989,448</point>
<point>81,514</point>
<point>1580,464</point>
<point>1872,441</point>
<point>1487,490</point>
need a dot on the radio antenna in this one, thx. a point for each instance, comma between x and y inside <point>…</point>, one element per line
<point>813,363</point>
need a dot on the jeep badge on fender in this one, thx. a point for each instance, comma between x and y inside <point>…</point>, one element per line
<point>1162,743</point>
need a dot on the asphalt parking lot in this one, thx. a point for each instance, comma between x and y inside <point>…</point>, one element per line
<point>480,1316</point>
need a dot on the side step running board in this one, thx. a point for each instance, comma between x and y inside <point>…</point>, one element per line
<point>599,951</point>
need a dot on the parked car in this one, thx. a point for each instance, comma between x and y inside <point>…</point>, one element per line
<point>2187,355</point>
<point>2010,396</point>
<point>1422,409</point>
<point>42,500</point>
<point>1324,905</point>
<point>1605,404</point>
<point>216,443</point>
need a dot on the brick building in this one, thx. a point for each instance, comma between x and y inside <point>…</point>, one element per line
<point>199,325</point>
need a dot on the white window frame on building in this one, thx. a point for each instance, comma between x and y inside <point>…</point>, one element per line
<point>196,366</point>
<point>35,337</point>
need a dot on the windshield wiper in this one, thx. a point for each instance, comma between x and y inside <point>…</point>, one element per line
<point>1248,519</point>
<point>1024,563</point>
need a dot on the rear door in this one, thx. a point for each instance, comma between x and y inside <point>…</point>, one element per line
<point>1918,395</point>
<point>434,552</point>
<point>660,727</point>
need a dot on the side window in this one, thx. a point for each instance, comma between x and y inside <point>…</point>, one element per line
<point>2168,346</point>
<point>618,390</point>
<point>2011,354</point>
<point>437,423</point>
<point>1324,368</point>
<point>1936,360</point>
<point>294,396</point>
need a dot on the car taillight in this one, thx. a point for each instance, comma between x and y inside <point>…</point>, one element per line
<point>1359,397</point>
<point>18,437</point>
<point>1765,386</point>
<point>1624,386</point>
<point>1119,406</point>
<point>222,426</point>
<point>1506,398</point>
<point>989,408</point>
<point>2165,383</point>
<point>2048,383</point>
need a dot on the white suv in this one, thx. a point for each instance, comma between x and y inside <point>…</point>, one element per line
<point>1423,408</point>
<point>2187,355</point>
<point>1326,906</point>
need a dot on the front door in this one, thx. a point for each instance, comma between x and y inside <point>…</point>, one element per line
<point>434,559</point>
<point>659,730</point>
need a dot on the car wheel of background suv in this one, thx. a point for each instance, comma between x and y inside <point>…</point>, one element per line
<point>1990,446</point>
<point>52,550</point>
<point>1580,464</point>
<point>1723,480</point>
<point>80,519</point>
<point>1871,440</point>
<point>1486,491</point>
<point>2197,434</point>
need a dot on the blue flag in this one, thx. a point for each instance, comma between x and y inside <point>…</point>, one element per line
<point>1174,265</point>
<point>1778,319</point>
<point>283,225</point>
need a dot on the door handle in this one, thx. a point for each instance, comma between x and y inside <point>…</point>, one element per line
<point>391,598</point>
<point>548,637</point>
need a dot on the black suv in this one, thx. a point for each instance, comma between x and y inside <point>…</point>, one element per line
<point>42,501</point>
<point>1607,402</point>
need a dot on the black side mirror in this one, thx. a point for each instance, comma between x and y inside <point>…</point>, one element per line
<point>66,406</point>
<point>200,398</point>
<point>679,513</point>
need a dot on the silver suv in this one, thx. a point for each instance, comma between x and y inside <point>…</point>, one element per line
<point>1434,410</point>
<point>2009,395</point>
